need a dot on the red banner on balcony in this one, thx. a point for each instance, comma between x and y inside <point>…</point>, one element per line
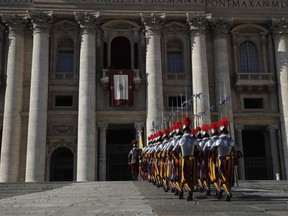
<point>121,87</point>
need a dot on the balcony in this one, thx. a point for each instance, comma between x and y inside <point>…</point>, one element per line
<point>254,82</point>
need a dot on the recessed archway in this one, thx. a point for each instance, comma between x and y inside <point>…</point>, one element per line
<point>61,165</point>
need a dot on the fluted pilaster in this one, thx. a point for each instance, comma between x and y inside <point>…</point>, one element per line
<point>239,143</point>
<point>274,150</point>
<point>102,150</point>
<point>37,124</point>
<point>153,24</point>
<point>12,124</point>
<point>86,151</point>
<point>198,25</point>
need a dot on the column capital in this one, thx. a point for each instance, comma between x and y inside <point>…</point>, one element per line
<point>272,127</point>
<point>279,27</point>
<point>198,24</point>
<point>102,125</point>
<point>41,20</point>
<point>153,22</point>
<point>221,27</point>
<point>15,23</point>
<point>88,20</point>
<point>138,125</point>
<point>239,127</point>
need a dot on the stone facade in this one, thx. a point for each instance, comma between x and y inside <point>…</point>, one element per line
<point>52,108</point>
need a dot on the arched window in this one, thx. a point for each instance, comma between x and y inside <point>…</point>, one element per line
<point>174,57</point>
<point>120,53</point>
<point>248,53</point>
<point>65,53</point>
<point>61,165</point>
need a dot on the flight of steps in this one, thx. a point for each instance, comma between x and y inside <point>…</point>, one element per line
<point>15,189</point>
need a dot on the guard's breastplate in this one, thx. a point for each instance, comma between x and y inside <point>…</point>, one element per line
<point>188,145</point>
<point>208,145</point>
<point>175,143</point>
<point>224,146</point>
<point>202,143</point>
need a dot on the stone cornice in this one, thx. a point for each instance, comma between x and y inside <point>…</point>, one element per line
<point>41,21</point>
<point>153,23</point>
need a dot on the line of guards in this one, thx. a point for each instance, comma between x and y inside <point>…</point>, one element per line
<point>185,160</point>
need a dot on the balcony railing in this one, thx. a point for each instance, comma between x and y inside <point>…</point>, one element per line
<point>256,78</point>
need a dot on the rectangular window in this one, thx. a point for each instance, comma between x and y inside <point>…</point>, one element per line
<point>174,60</point>
<point>174,101</point>
<point>64,100</point>
<point>66,61</point>
<point>253,103</point>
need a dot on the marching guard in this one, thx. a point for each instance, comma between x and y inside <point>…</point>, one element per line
<point>203,160</point>
<point>227,153</point>
<point>189,152</point>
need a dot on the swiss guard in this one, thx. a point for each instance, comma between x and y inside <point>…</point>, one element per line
<point>203,160</point>
<point>176,159</point>
<point>133,160</point>
<point>189,149</point>
<point>227,154</point>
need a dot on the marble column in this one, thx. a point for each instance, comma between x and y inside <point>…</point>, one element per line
<point>239,143</point>
<point>86,149</point>
<point>12,125</point>
<point>221,29</point>
<point>102,150</point>
<point>2,29</point>
<point>274,149</point>
<point>198,25</point>
<point>37,123</point>
<point>280,30</point>
<point>153,25</point>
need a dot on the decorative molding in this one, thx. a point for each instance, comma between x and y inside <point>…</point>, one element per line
<point>41,21</point>
<point>153,23</point>
<point>66,27</point>
<point>62,143</point>
<point>279,28</point>
<point>88,20</point>
<point>102,125</point>
<point>138,125</point>
<point>239,127</point>
<point>15,23</point>
<point>221,27</point>
<point>272,127</point>
<point>174,28</point>
<point>198,24</point>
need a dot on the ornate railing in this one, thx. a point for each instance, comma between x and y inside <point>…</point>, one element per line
<point>244,77</point>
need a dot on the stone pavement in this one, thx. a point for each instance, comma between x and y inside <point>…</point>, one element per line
<point>144,199</point>
<point>250,198</point>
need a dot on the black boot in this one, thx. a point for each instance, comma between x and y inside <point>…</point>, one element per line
<point>176,192</point>
<point>208,192</point>
<point>228,197</point>
<point>181,194</point>
<point>219,195</point>
<point>190,196</point>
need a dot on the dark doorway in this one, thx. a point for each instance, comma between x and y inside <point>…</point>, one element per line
<point>61,165</point>
<point>118,147</point>
<point>258,166</point>
<point>120,53</point>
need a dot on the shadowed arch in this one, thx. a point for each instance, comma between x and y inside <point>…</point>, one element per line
<point>61,165</point>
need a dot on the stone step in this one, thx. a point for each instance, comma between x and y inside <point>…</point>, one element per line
<point>15,189</point>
